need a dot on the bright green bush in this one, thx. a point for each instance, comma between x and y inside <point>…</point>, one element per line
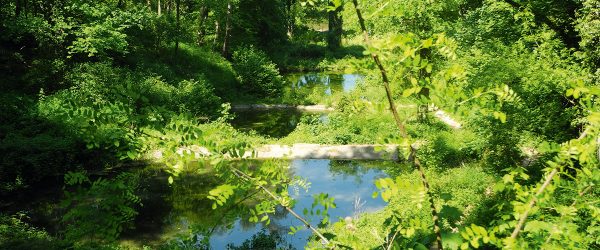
<point>198,97</point>
<point>256,73</point>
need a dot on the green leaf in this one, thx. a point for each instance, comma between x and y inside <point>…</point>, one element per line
<point>500,116</point>
<point>427,43</point>
<point>170,179</point>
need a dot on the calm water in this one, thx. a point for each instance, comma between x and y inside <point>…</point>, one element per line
<point>275,123</point>
<point>279,123</point>
<point>330,83</point>
<point>182,211</point>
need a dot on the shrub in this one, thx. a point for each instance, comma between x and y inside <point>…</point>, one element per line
<point>256,72</point>
<point>16,234</point>
<point>102,210</point>
<point>198,97</point>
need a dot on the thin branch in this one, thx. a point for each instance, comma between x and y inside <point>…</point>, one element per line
<point>402,128</point>
<point>386,81</point>
<point>229,209</point>
<point>523,218</point>
<point>391,241</point>
<point>244,176</point>
<point>584,191</point>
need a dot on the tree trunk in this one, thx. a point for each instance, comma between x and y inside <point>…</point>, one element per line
<point>217,30</point>
<point>227,29</point>
<point>148,4</point>
<point>177,25</point>
<point>201,31</point>
<point>291,18</point>
<point>159,8</point>
<point>334,35</point>
<point>18,7</point>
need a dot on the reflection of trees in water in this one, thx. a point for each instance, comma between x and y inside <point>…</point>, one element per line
<point>274,123</point>
<point>263,240</point>
<point>304,84</point>
<point>357,169</point>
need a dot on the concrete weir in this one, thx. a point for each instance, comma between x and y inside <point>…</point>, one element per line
<point>337,152</point>
<point>308,108</point>
<point>307,151</point>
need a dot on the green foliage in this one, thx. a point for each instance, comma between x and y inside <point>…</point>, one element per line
<point>261,240</point>
<point>33,148</point>
<point>99,210</point>
<point>198,98</point>
<point>17,234</point>
<point>588,25</point>
<point>460,194</point>
<point>256,73</point>
<point>263,30</point>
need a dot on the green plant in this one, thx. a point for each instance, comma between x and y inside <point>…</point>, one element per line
<point>99,210</point>
<point>256,73</point>
<point>17,234</point>
<point>198,98</point>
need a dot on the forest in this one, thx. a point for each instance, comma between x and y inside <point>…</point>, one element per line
<point>299,124</point>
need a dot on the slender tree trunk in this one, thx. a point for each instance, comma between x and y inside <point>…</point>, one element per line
<point>412,154</point>
<point>159,8</point>
<point>18,7</point>
<point>201,31</point>
<point>217,30</point>
<point>334,35</point>
<point>227,29</point>
<point>291,18</point>
<point>26,7</point>
<point>178,25</point>
<point>148,4</point>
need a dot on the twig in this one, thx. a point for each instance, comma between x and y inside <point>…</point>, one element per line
<point>243,175</point>
<point>402,128</point>
<point>523,218</point>
<point>386,81</point>
<point>229,209</point>
<point>580,194</point>
<point>391,241</point>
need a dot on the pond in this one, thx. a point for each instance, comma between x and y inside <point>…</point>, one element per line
<point>274,123</point>
<point>330,83</point>
<point>279,123</point>
<point>181,212</point>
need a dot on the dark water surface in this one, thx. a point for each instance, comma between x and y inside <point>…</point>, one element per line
<point>182,212</point>
<point>274,123</point>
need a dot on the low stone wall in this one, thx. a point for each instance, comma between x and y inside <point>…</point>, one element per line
<point>307,151</point>
<point>309,108</point>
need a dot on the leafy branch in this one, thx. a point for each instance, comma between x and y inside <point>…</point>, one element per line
<point>412,154</point>
<point>240,174</point>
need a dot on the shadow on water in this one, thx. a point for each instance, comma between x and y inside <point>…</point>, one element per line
<point>273,123</point>
<point>181,214</point>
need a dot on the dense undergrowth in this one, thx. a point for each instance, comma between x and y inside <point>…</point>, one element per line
<point>92,90</point>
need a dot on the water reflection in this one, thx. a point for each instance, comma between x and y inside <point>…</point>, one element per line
<point>327,83</point>
<point>275,123</point>
<point>186,216</point>
<point>279,123</point>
